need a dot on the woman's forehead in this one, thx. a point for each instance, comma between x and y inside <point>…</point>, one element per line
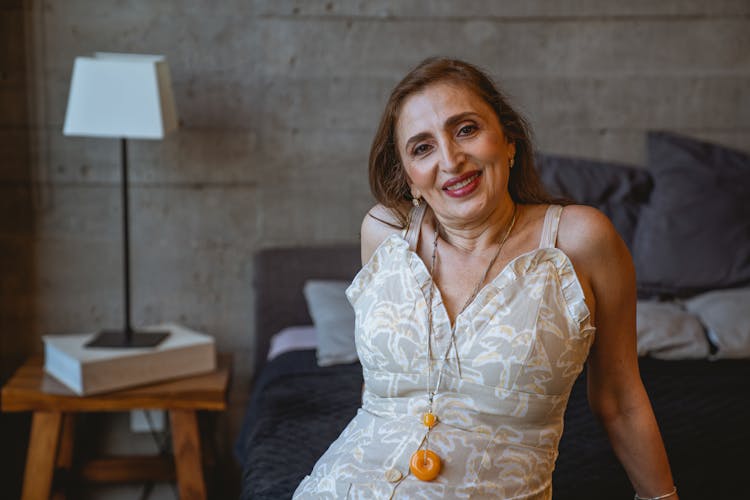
<point>436,103</point>
<point>442,96</point>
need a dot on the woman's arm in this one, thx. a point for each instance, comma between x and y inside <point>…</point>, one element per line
<point>615,390</point>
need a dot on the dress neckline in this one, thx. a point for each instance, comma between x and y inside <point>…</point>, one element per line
<point>519,265</point>
<point>423,276</point>
<point>547,240</point>
<point>395,247</point>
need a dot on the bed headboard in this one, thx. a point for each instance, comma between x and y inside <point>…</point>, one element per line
<point>279,275</point>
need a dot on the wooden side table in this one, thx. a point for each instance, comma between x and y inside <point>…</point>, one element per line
<point>54,408</point>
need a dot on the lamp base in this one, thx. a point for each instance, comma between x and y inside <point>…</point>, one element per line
<point>121,339</point>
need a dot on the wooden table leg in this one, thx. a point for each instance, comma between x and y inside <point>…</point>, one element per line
<point>41,455</point>
<point>187,454</point>
<point>64,460</point>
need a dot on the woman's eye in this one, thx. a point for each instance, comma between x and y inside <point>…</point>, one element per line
<point>420,149</point>
<point>467,129</point>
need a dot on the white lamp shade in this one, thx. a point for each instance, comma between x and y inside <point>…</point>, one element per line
<point>120,95</point>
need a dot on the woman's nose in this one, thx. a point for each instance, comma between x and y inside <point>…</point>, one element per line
<point>451,156</point>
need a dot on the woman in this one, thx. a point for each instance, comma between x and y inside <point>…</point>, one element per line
<point>506,294</point>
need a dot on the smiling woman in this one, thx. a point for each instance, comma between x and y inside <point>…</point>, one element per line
<point>479,302</point>
<point>459,161</point>
<point>388,178</point>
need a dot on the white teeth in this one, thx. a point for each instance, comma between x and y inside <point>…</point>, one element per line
<point>463,183</point>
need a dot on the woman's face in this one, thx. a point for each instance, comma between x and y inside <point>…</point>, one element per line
<point>455,153</point>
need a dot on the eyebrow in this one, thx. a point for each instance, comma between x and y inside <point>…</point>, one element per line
<point>450,122</point>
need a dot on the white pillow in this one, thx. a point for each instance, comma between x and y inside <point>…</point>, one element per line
<point>292,338</point>
<point>333,318</point>
<point>666,331</point>
<point>726,315</point>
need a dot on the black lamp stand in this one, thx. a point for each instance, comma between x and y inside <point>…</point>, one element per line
<point>126,337</point>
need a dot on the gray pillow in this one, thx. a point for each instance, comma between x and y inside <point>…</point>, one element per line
<point>617,189</point>
<point>333,318</point>
<point>666,331</point>
<point>726,315</point>
<point>694,235</point>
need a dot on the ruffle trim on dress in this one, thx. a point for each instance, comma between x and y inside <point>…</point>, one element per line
<point>575,299</point>
<point>365,275</point>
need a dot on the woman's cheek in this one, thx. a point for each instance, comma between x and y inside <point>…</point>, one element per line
<point>420,174</point>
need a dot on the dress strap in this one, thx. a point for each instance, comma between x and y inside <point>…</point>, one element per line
<point>551,224</point>
<point>416,214</point>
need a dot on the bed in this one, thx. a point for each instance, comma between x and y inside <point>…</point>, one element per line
<point>699,386</point>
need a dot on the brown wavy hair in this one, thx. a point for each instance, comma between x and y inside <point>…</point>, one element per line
<point>387,175</point>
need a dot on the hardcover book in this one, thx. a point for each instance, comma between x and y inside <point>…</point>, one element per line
<point>87,370</point>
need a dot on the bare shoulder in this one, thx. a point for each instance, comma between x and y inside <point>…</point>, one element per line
<point>379,223</point>
<point>594,246</point>
<point>585,232</point>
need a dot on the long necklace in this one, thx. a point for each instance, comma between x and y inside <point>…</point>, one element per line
<point>425,464</point>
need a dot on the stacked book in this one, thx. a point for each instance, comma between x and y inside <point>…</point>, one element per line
<point>87,370</point>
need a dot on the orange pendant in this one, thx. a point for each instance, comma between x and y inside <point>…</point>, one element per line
<point>425,465</point>
<point>429,420</point>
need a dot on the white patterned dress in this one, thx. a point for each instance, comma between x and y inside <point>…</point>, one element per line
<point>522,342</point>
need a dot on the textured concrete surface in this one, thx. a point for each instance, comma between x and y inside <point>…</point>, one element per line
<point>278,101</point>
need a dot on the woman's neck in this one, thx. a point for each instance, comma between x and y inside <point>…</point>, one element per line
<point>476,237</point>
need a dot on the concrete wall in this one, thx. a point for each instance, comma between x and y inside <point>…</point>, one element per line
<point>278,101</point>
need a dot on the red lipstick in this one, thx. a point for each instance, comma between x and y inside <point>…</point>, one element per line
<point>462,185</point>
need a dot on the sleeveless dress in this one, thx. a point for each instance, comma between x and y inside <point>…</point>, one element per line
<point>521,344</point>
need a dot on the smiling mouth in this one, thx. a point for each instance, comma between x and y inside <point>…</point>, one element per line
<point>462,183</point>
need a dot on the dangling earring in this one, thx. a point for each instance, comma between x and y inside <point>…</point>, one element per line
<point>416,201</point>
<point>512,160</point>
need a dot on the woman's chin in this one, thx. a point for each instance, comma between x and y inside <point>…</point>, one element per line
<point>463,210</point>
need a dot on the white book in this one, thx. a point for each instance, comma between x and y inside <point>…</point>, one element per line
<point>87,370</point>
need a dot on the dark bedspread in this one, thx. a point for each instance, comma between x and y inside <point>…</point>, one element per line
<point>703,408</point>
<point>296,411</point>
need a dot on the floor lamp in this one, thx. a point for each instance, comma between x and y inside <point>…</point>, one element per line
<point>124,96</point>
